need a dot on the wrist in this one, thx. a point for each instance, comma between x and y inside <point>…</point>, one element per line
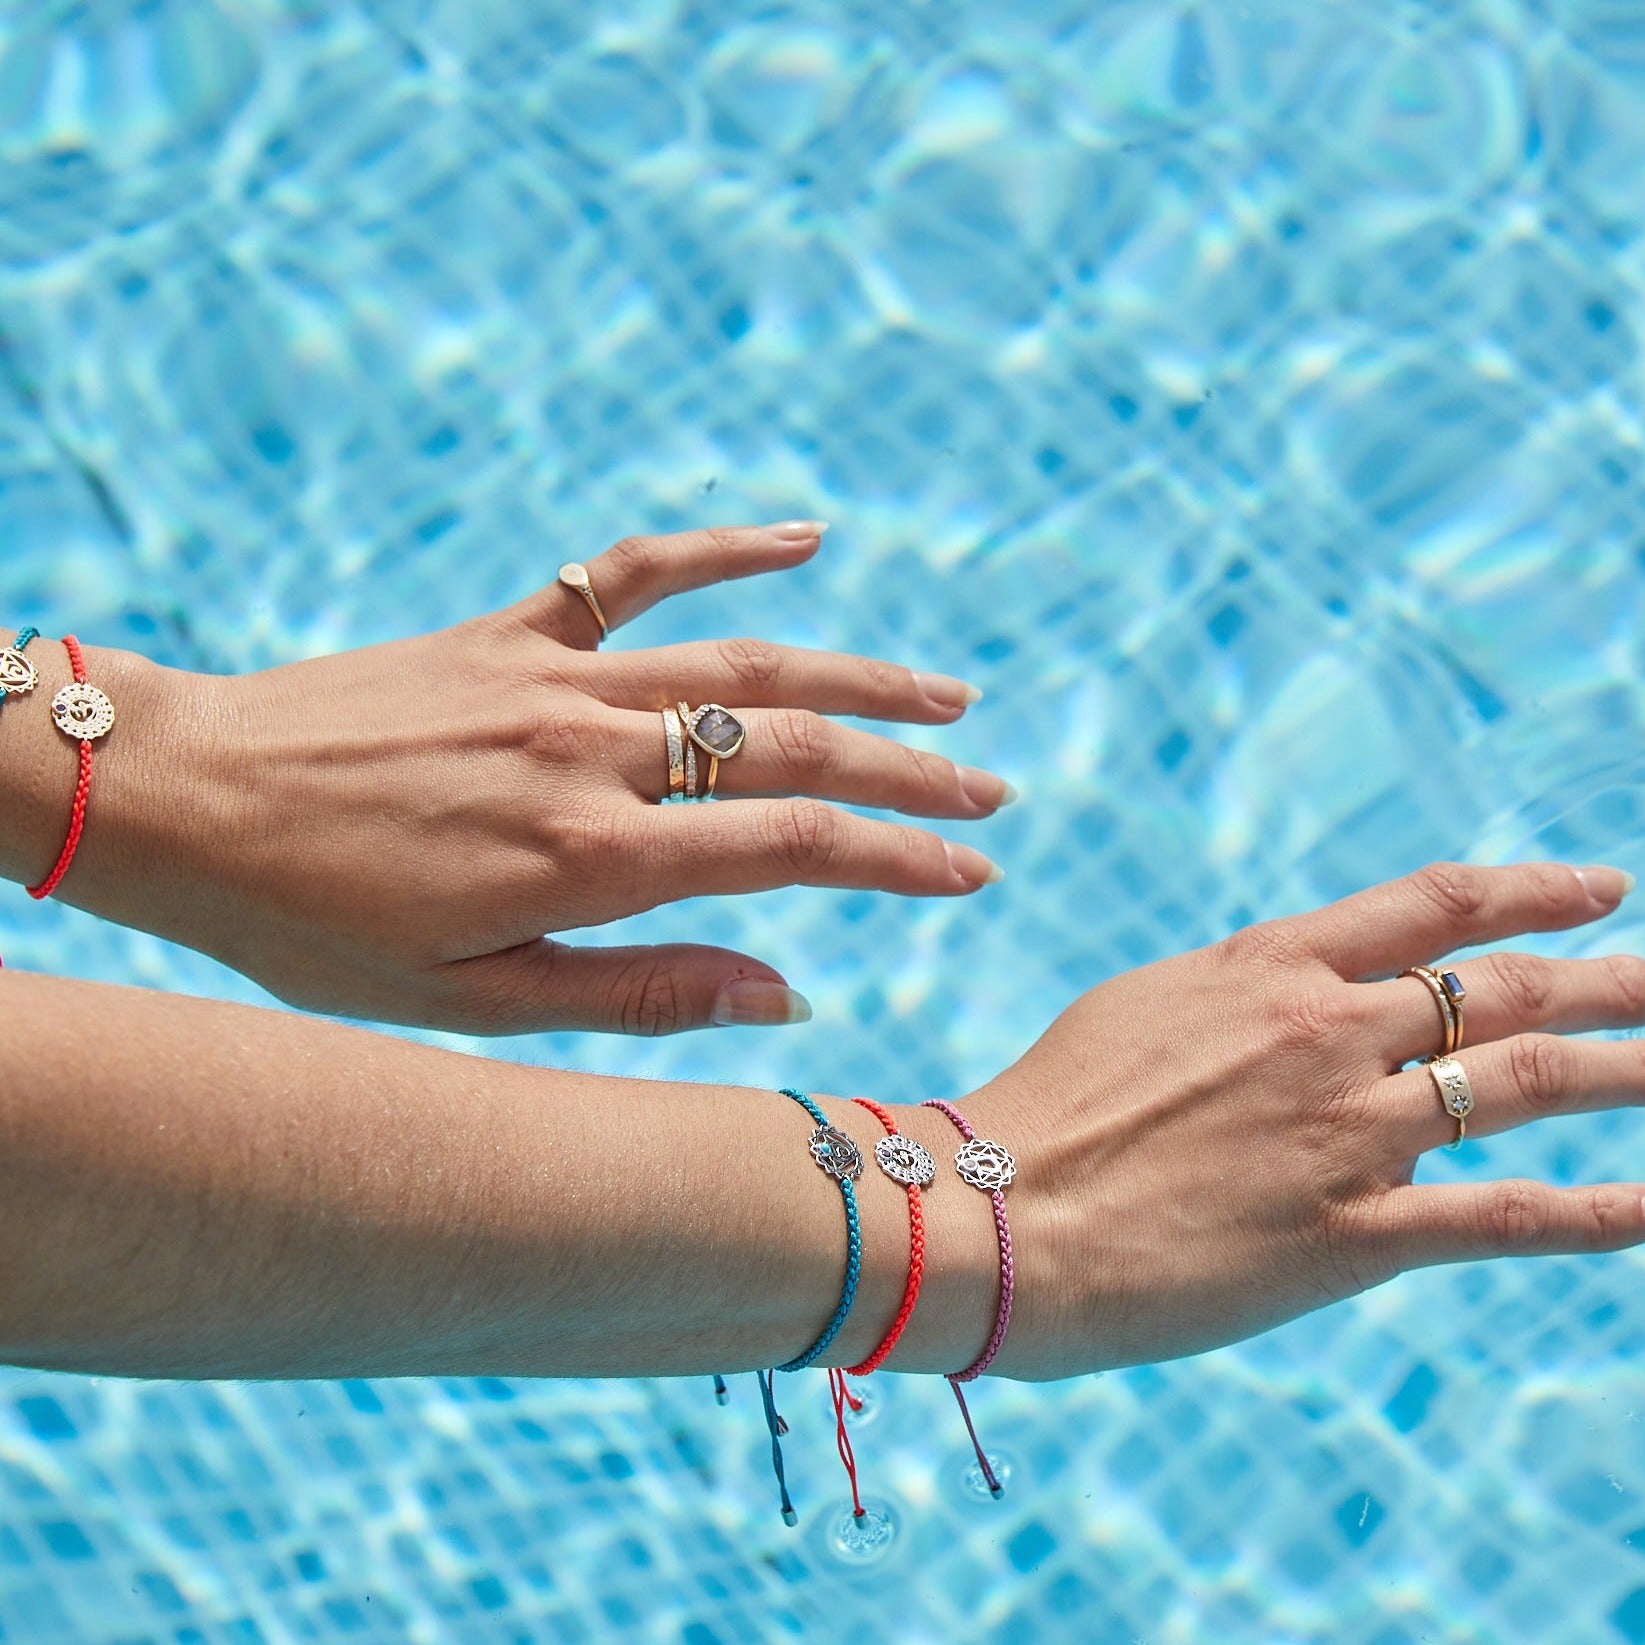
<point>960,1293</point>
<point>149,799</point>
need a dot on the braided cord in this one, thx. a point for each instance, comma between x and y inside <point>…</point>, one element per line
<point>916,1257</point>
<point>853,1263</point>
<point>82,791</point>
<point>1002,1320</point>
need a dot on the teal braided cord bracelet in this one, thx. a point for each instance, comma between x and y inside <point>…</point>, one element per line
<point>839,1156</point>
<point>17,673</point>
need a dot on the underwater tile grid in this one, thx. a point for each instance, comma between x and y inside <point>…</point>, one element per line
<point>1247,396</point>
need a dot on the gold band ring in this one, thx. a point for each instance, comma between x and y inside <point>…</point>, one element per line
<point>717,732</point>
<point>674,741</point>
<point>575,577</point>
<point>1451,1081</point>
<point>1448,992</point>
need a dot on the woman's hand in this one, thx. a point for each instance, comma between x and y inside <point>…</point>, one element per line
<point>390,833</point>
<point>1219,1142</point>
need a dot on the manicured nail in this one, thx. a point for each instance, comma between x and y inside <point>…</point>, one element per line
<point>1606,886</point>
<point>984,788</point>
<point>750,1002</point>
<point>797,531</point>
<point>946,691</point>
<point>972,866</point>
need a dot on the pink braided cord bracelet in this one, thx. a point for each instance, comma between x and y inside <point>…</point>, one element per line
<point>1002,1320</point>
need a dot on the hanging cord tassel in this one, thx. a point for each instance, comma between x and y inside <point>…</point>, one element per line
<point>995,1489</point>
<point>778,1428</point>
<point>842,1397</point>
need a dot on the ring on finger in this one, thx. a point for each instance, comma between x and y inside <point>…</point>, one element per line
<point>718,733</point>
<point>575,577</point>
<point>1455,1093</point>
<point>674,744</point>
<point>1448,992</point>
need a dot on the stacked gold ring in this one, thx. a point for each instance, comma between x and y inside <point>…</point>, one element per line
<point>711,730</point>
<point>575,577</point>
<point>1449,1077</point>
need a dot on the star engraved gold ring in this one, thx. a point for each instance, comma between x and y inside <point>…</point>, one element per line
<point>1451,1081</point>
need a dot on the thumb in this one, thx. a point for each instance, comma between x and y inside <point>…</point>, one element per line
<point>546,985</point>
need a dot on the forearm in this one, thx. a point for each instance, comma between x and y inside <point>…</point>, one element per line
<point>189,1189</point>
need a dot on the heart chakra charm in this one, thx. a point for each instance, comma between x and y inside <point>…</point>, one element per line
<point>905,1161</point>
<point>82,712</point>
<point>835,1152</point>
<point>985,1165</point>
<point>17,673</point>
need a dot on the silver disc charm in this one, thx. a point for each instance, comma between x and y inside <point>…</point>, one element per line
<point>985,1165</point>
<point>835,1152</point>
<point>82,712</point>
<point>17,674</point>
<point>905,1161</point>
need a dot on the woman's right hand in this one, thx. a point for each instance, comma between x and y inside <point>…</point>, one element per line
<point>1214,1144</point>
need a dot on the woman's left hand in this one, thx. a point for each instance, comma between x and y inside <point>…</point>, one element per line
<point>390,833</point>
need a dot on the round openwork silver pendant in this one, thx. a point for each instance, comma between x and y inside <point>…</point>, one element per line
<point>17,674</point>
<point>905,1161</point>
<point>985,1165</point>
<point>835,1152</point>
<point>82,712</point>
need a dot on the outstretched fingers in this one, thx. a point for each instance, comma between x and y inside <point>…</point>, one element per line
<point>1447,906</point>
<point>725,848</point>
<point>633,575</point>
<point>544,986</point>
<point>1419,1226</point>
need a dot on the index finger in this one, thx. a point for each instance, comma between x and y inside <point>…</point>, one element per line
<point>1449,905</point>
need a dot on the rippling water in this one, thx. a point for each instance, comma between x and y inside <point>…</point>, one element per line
<point>1248,396</point>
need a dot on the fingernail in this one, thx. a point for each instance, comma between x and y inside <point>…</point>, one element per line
<point>984,788</point>
<point>972,866</point>
<point>1606,886</point>
<point>750,1002</point>
<point>947,691</point>
<point>797,531</point>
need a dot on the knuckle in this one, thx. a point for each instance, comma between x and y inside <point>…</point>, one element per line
<point>754,665</point>
<point>806,835</point>
<point>1539,1069</point>
<point>1457,890</point>
<point>1525,983</point>
<point>636,557</point>
<point>554,738</point>
<point>721,539</point>
<point>887,679</point>
<point>652,1002</point>
<point>1612,1214</point>
<point>1306,1018</point>
<point>1266,943</point>
<point>1553,892</point>
<point>802,741</point>
<point>1626,974</point>
<point>1513,1214</point>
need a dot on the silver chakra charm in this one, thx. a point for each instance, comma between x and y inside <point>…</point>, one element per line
<point>985,1165</point>
<point>715,730</point>
<point>835,1152</point>
<point>905,1161</point>
<point>82,712</point>
<point>17,674</point>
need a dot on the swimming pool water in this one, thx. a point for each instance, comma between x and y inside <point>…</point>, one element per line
<point>1247,396</point>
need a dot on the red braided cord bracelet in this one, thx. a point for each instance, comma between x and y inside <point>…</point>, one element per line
<point>80,711</point>
<point>916,1254</point>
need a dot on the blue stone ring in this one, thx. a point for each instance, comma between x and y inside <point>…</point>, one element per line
<point>1448,992</point>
